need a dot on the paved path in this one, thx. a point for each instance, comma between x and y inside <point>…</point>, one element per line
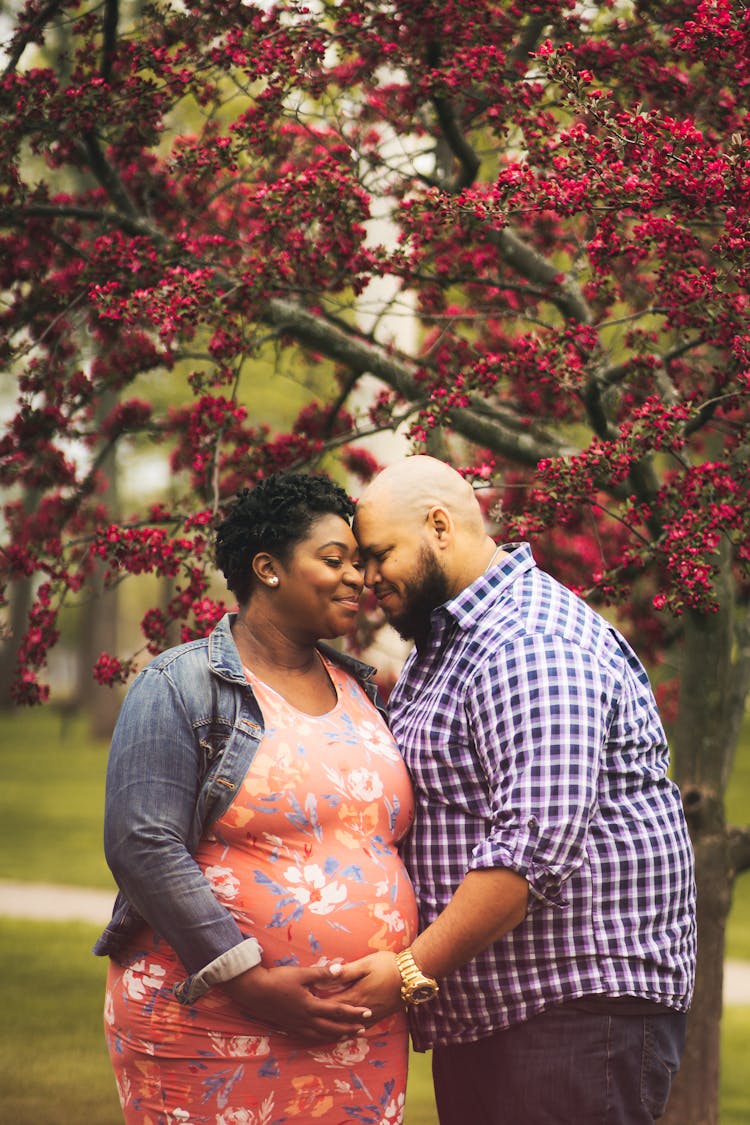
<point>69,904</point>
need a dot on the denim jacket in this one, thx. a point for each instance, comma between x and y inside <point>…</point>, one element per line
<point>185,737</point>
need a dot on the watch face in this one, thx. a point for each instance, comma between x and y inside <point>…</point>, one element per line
<point>420,993</point>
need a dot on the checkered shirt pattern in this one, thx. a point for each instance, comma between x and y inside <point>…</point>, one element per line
<point>534,743</point>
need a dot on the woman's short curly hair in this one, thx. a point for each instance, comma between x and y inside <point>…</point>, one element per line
<point>274,516</point>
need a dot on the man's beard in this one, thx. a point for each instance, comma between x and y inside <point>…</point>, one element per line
<point>424,592</point>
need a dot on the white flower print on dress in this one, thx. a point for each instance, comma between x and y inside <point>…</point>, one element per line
<point>138,979</point>
<point>344,1053</point>
<point>364,785</point>
<point>240,1115</point>
<point>394,1111</point>
<point>378,740</point>
<point>310,888</point>
<point>124,1088</point>
<point>224,883</point>
<point>109,1009</point>
<point>240,1046</point>
<point>393,919</point>
<point>357,785</point>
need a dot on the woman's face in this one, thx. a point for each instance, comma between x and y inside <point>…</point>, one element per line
<point>320,587</point>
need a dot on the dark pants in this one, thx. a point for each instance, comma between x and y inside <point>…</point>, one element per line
<point>563,1067</point>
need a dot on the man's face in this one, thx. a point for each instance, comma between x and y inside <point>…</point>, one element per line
<point>401,569</point>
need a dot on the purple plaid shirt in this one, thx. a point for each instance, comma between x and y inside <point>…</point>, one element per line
<point>534,744</point>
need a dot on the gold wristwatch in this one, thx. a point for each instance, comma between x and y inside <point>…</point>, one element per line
<point>416,988</point>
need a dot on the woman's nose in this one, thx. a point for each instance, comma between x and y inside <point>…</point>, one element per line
<point>354,577</point>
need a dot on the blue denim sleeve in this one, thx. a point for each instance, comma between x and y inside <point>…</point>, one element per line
<point>153,778</point>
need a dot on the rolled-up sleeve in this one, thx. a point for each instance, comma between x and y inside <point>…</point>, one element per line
<point>539,715</point>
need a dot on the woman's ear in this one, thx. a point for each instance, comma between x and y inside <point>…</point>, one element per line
<point>265,568</point>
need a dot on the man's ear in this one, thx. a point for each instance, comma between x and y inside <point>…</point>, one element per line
<point>440,524</point>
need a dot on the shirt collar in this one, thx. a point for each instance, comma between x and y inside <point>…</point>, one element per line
<point>469,606</point>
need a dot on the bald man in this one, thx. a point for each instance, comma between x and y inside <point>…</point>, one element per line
<point>549,852</point>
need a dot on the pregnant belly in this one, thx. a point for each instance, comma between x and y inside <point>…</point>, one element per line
<point>319,910</point>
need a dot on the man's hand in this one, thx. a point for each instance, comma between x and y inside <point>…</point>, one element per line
<point>299,1002</point>
<point>373,981</point>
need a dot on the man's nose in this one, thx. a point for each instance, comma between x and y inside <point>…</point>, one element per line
<point>371,572</point>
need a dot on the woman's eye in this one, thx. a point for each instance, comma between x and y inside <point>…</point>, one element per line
<point>333,561</point>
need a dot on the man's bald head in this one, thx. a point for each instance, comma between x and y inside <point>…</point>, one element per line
<point>410,489</point>
<point>422,538</point>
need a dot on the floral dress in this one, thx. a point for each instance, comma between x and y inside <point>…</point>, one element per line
<point>305,859</point>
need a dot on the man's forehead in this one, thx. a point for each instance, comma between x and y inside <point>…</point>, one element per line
<point>374,525</point>
<point>364,524</point>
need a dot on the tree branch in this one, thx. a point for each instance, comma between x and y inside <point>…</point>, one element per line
<point>458,144</point>
<point>531,33</point>
<point>565,295</point>
<point>739,849</point>
<point>109,37</point>
<point>106,175</point>
<point>365,356</point>
<point>29,33</point>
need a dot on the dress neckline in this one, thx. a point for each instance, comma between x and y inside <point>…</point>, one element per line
<point>253,678</point>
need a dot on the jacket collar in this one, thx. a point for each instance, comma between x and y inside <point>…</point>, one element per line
<point>224,659</point>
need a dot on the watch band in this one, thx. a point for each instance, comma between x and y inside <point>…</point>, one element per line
<point>416,986</point>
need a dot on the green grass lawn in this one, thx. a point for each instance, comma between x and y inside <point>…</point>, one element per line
<point>51,800</point>
<point>50,831</point>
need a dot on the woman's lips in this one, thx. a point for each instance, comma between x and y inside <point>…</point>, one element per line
<point>349,603</point>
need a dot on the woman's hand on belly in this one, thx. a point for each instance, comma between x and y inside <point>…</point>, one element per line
<point>285,997</point>
<point>373,981</point>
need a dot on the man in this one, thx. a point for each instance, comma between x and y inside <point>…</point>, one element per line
<point>549,851</point>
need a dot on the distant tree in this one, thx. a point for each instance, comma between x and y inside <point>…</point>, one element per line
<point>569,187</point>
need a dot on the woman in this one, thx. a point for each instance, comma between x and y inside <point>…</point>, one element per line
<point>255,798</point>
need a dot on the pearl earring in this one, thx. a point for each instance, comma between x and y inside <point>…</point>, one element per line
<point>273,581</point>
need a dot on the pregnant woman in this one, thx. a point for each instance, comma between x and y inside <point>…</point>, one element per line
<point>255,798</point>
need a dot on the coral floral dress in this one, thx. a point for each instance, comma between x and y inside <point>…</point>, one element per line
<point>306,861</point>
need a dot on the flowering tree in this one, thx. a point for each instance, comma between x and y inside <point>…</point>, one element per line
<point>556,194</point>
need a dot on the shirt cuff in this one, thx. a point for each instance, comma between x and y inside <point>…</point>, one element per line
<point>225,967</point>
<point>545,885</point>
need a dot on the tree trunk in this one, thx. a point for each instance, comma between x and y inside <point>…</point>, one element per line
<point>20,596</point>
<point>98,635</point>
<point>99,624</point>
<point>695,1095</point>
<point>701,752</point>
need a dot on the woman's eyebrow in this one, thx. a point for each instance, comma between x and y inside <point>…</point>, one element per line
<point>333,543</point>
